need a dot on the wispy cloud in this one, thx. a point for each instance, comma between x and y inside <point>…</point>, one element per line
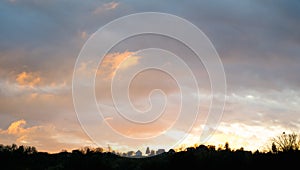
<point>113,61</point>
<point>106,7</point>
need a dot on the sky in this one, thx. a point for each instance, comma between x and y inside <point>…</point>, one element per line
<point>257,42</point>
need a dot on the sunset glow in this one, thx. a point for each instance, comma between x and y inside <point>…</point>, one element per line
<point>257,42</point>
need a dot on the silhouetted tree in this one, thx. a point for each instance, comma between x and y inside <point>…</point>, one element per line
<point>211,147</point>
<point>171,151</point>
<point>226,146</point>
<point>98,150</point>
<point>21,149</point>
<point>14,147</point>
<point>274,148</point>
<point>241,149</point>
<point>27,157</point>
<point>286,142</point>
<point>130,153</point>
<point>85,150</point>
<point>64,151</point>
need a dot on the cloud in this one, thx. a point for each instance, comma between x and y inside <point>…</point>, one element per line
<point>45,137</point>
<point>16,127</point>
<point>253,105</point>
<point>83,35</point>
<point>251,137</point>
<point>18,133</point>
<point>29,83</point>
<point>109,65</point>
<point>106,7</point>
<point>111,5</point>
<point>28,79</point>
<point>36,68</point>
<point>113,61</point>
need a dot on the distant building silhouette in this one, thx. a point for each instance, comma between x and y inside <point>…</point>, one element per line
<point>152,153</point>
<point>147,151</point>
<point>138,153</point>
<point>160,151</point>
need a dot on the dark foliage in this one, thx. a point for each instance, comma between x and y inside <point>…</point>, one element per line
<point>24,157</point>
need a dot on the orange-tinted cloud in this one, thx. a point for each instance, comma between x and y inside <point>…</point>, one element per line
<point>28,79</point>
<point>106,7</point>
<point>16,132</point>
<point>113,61</point>
<point>83,35</point>
<point>45,137</point>
<point>111,5</point>
<point>16,127</point>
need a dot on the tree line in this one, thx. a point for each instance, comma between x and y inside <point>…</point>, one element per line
<point>283,152</point>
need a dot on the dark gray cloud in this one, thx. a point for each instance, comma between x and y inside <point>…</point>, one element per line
<point>252,28</point>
